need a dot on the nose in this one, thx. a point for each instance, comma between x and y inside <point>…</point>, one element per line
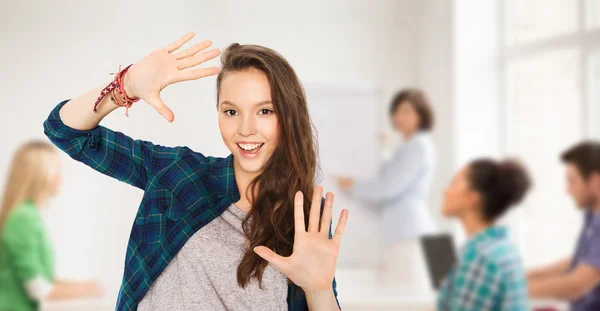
<point>247,126</point>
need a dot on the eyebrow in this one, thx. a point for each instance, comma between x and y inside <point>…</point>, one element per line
<point>264,102</point>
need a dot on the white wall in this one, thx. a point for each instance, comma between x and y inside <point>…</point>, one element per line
<point>56,50</point>
<point>434,74</point>
<point>459,67</point>
<point>476,81</point>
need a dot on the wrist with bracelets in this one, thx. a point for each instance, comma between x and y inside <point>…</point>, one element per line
<point>116,89</point>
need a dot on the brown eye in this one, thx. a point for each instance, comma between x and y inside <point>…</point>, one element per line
<point>230,112</point>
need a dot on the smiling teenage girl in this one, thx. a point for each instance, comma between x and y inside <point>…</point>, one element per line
<point>216,233</point>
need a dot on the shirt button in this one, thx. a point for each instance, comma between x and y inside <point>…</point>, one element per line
<point>165,206</point>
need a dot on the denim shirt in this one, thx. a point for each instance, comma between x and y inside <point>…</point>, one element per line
<point>183,191</point>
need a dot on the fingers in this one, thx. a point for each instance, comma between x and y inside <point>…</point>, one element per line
<point>278,261</point>
<point>194,74</point>
<point>197,59</point>
<point>193,49</point>
<point>315,210</point>
<point>339,230</point>
<point>180,42</point>
<point>327,211</point>
<point>156,102</point>
<point>299,213</point>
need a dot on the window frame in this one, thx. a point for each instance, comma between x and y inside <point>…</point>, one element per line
<point>586,41</point>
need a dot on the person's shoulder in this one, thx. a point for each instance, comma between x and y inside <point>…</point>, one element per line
<point>24,215</point>
<point>23,211</point>
<point>421,143</point>
<point>420,139</point>
<point>498,259</point>
<point>218,163</point>
<point>499,253</point>
<point>593,220</point>
<point>197,158</point>
<point>479,257</point>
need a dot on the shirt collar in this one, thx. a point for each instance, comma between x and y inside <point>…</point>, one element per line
<point>222,170</point>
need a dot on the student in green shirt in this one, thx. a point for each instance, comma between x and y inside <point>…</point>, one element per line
<point>26,252</point>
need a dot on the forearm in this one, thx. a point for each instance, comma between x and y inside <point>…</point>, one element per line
<point>70,290</point>
<point>79,113</point>
<point>322,300</point>
<point>66,282</point>
<point>554,269</point>
<point>554,287</point>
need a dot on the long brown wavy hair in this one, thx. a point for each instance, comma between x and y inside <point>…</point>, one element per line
<point>292,166</point>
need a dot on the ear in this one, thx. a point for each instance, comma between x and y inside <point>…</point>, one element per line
<point>473,198</point>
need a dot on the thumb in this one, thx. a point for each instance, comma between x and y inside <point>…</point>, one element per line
<point>278,261</point>
<point>156,102</point>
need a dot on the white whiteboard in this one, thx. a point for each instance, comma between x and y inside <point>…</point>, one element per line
<point>346,118</point>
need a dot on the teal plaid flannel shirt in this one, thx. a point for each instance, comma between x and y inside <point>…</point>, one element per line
<point>489,275</point>
<point>183,191</point>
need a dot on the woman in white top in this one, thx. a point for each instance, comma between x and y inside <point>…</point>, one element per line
<point>401,188</point>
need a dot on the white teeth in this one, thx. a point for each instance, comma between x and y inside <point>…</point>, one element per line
<point>249,147</point>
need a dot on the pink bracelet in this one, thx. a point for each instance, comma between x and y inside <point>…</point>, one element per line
<point>117,90</point>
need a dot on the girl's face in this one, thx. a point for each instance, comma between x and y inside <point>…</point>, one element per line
<point>459,198</point>
<point>247,119</point>
<point>406,119</point>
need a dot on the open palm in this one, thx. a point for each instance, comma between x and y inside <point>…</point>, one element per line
<point>313,260</point>
<point>164,66</point>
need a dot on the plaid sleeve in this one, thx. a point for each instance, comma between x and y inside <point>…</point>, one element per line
<point>475,285</point>
<point>111,153</point>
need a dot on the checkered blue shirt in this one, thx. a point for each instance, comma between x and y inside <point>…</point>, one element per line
<point>489,275</point>
<point>183,191</point>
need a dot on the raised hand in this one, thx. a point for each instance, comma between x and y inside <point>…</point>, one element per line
<point>313,260</point>
<point>164,66</point>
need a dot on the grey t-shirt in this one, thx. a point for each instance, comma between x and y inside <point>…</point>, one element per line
<point>202,276</point>
<point>588,252</point>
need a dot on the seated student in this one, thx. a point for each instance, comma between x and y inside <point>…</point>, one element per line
<point>577,278</point>
<point>489,274</point>
<point>27,266</point>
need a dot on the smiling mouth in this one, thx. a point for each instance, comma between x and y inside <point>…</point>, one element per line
<point>249,149</point>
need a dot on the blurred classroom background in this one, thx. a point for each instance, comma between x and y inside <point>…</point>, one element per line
<point>515,77</point>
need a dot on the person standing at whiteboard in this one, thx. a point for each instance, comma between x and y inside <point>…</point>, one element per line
<point>401,190</point>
